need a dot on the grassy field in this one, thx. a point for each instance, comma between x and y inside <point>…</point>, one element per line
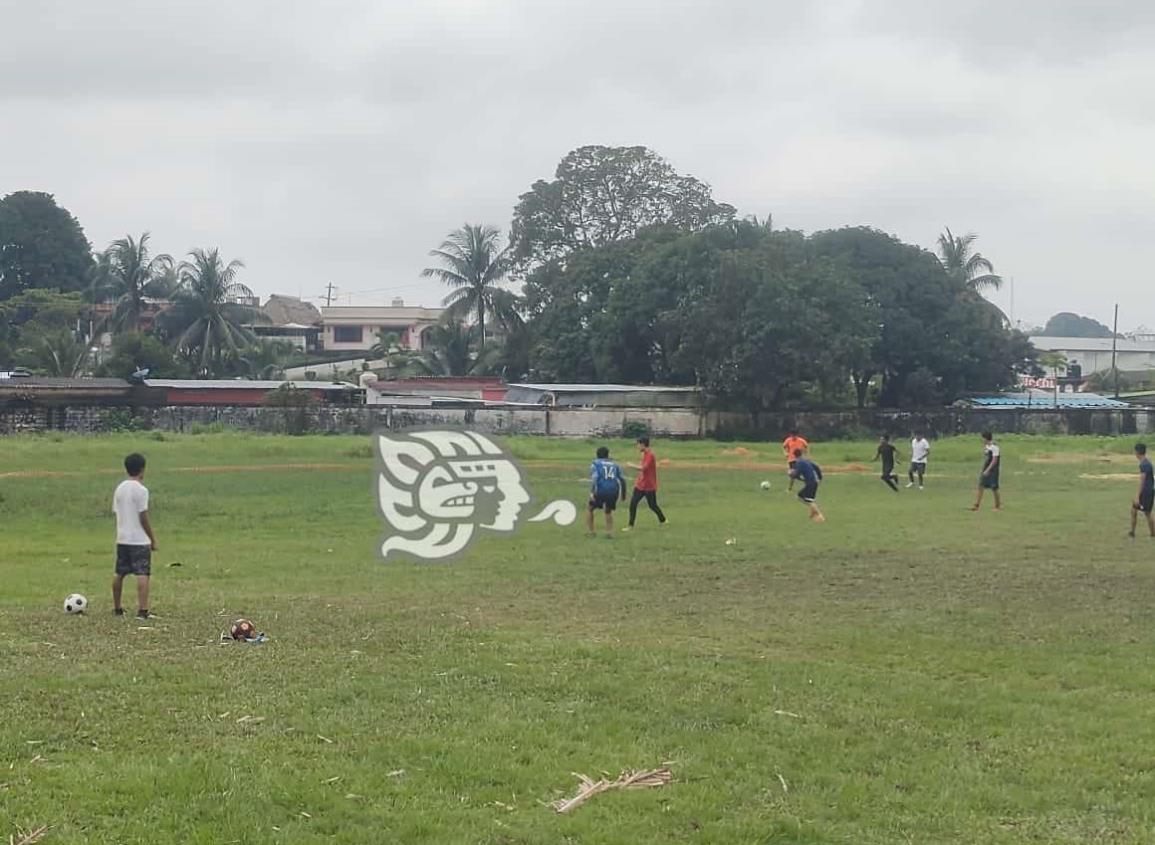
<point>907,672</point>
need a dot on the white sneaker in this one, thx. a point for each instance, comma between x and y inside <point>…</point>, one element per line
<point>908,486</point>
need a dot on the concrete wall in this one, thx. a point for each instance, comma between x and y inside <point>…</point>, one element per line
<point>361,419</point>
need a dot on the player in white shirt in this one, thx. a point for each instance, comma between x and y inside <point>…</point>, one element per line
<point>919,452</point>
<point>135,541</point>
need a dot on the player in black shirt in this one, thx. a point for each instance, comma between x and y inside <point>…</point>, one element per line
<point>888,454</point>
<point>1145,500</point>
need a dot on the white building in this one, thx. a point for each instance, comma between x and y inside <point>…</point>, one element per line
<point>355,328</point>
<point>1093,354</point>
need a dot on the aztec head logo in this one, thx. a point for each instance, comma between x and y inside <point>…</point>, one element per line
<point>435,489</point>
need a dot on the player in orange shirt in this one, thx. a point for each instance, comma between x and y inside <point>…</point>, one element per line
<point>793,442</point>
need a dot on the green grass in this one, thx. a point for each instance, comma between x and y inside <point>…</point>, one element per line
<point>907,672</point>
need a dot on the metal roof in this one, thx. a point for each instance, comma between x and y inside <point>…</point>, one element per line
<point>1042,401</point>
<point>1090,344</point>
<point>64,383</point>
<point>605,388</point>
<point>247,384</point>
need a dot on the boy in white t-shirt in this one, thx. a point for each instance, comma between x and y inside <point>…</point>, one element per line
<point>135,541</point>
<point>919,452</point>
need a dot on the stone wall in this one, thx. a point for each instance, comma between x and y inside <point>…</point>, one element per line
<point>573,422</point>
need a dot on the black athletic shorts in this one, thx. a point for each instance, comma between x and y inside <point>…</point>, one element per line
<point>133,560</point>
<point>1147,502</point>
<point>607,502</point>
<point>989,481</point>
<point>808,493</point>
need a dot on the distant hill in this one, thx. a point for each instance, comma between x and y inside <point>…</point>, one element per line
<point>1066,324</point>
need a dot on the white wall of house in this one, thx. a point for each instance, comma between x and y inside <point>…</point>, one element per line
<point>355,328</point>
<point>1094,353</point>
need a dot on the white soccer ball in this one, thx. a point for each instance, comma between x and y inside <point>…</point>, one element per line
<point>765,485</point>
<point>75,603</point>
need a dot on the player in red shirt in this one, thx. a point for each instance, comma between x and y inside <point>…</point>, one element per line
<point>646,487</point>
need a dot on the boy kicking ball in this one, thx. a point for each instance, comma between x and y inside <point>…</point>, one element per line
<point>810,474</point>
<point>135,541</point>
<point>1145,500</point>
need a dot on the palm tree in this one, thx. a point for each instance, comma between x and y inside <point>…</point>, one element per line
<point>967,268</point>
<point>133,275</point>
<point>449,351</point>
<point>388,347</point>
<point>267,359</point>
<point>56,352</point>
<point>474,265</point>
<point>206,321</point>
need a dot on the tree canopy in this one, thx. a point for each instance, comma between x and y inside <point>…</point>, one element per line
<point>41,246</point>
<point>763,319</point>
<point>1066,324</point>
<point>604,194</point>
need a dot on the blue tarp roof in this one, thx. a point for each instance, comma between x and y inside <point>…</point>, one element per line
<point>1048,400</point>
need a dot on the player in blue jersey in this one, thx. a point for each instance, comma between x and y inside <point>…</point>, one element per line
<point>607,486</point>
<point>810,474</point>
<point>1145,500</point>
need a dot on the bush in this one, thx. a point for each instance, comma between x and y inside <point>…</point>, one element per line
<point>633,429</point>
<point>121,419</point>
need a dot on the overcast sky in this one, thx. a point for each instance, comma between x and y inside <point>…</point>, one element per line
<point>340,141</point>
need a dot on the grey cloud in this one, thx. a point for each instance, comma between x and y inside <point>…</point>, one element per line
<point>341,141</point>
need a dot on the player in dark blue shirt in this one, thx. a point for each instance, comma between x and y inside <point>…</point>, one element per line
<point>810,474</point>
<point>607,486</point>
<point>1145,500</point>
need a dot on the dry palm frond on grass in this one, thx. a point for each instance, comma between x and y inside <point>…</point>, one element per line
<point>628,780</point>
<point>27,838</point>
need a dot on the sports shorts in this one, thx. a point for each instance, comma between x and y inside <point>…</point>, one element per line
<point>808,493</point>
<point>133,560</point>
<point>1147,502</point>
<point>918,466</point>
<point>989,481</point>
<point>607,502</point>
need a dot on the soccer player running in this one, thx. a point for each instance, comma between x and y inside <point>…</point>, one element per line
<point>1145,500</point>
<point>810,474</point>
<point>607,485</point>
<point>919,452</point>
<point>135,541</point>
<point>646,486</point>
<point>989,478</point>
<point>887,454</point>
<point>792,444</point>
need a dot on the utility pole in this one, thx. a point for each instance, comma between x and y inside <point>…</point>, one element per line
<point>328,294</point>
<point>1114,346</point>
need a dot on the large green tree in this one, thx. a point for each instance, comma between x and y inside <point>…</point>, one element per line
<point>964,265</point>
<point>41,246</point>
<point>205,320</point>
<point>604,194</point>
<point>474,263</point>
<point>763,319</point>
<point>1066,324</point>
<point>132,273</point>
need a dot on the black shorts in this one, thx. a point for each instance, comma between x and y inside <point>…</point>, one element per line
<point>1147,502</point>
<point>808,493</point>
<point>607,502</point>
<point>133,560</point>
<point>887,470</point>
<point>989,481</point>
<point>918,466</point>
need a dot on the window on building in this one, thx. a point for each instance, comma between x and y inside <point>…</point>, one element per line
<point>347,334</point>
